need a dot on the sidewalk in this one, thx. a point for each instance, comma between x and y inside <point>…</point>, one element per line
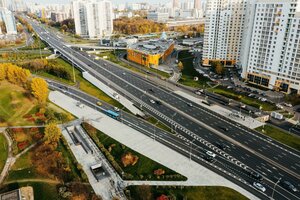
<point>246,121</point>
<point>102,188</point>
<point>196,174</point>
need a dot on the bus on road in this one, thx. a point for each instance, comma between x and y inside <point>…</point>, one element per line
<point>112,114</point>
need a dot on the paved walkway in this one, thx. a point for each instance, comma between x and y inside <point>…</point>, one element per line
<point>102,188</point>
<point>10,159</point>
<point>244,120</point>
<point>196,174</point>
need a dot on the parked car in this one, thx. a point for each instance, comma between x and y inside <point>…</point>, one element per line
<point>288,105</point>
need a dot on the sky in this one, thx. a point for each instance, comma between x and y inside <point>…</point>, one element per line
<point>114,1</point>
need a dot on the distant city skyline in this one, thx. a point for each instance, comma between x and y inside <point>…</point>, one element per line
<point>113,1</point>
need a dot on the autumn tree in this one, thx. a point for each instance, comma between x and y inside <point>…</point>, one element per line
<point>64,28</point>
<point>11,73</point>
<point>52,134</point>
<point>39,89</point>
<point>20,28</point>
<point>23,76</point>
<point>218,67</point>
<point>14,74</point>
<point>2,72</point>
<point>180,66</point>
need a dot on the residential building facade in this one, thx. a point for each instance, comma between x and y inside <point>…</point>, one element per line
<point>158,16</point>
<point>93,18</point>
<point>271,55</point>
<point>8,18</point>
<point>224,25</point>
<point>260,36</point>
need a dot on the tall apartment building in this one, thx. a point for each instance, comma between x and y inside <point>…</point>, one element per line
<point>272,53</point>
<point>175,3</point>
<point>266,42</point>
<point>197,4</point>
<point>8,18</point>
<point>93,18</point>
<point>224,25</point>
<point>3,3</point>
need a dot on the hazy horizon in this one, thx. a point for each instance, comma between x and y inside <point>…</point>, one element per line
<point>114,1</point>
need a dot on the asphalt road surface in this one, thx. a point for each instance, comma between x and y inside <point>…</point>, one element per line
<point>198,127</point>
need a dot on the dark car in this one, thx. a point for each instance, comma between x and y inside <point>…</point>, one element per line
<point>221,145</point>
<point>158,102</point>
<point>287,185</point>
<point>255,175</point>
<point>224,128</point>
<point>151,90</point>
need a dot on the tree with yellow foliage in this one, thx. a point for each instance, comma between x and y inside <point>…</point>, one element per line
<point>39,89</point>
<point>3,69</point>
<point>23,75</point>
<point>10,73</point>
<point>14,74</point>
<point>52,134</point>
<point>180,66</point>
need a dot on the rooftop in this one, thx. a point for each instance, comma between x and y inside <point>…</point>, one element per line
<point>156,46</point>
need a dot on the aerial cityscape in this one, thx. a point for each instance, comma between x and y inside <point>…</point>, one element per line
<point>149,100</point>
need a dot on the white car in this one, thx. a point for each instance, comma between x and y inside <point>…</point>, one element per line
<point>279,106</point>
<point>288,105</point>
<point>152,101</point>
<point>211,154</point>
<point>259,186</point>
<point>116,109</point>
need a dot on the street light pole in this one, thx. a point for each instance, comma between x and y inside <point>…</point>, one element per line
<point>274,187</point>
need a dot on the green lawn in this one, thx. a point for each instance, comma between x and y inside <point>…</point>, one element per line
<point>42,191</point>
<point>144,167</point>
<point>84,85</point>
<point>68,155</point>
<point>22,56</point>
<point>14,104</point>
<point>190,193</point>
<point>189,72</point>
<point>242,98</point>
<point>3,151</point>
<point>281,136</point>
<point>24,168</point>
<point>159,124</point>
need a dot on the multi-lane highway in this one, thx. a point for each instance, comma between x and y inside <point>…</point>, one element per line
<point>197,126</point>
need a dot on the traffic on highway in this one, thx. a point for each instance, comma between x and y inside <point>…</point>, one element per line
<point>255,162</point>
